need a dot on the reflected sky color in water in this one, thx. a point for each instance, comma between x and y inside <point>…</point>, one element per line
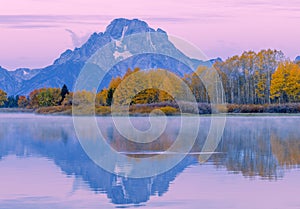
<point>42,165</point>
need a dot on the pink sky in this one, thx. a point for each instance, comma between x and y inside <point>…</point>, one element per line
<point>34,33</point>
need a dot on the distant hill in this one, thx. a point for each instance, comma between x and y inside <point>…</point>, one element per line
<point>67,67</point>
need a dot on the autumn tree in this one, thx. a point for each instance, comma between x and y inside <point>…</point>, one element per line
<point>267,63</point>
<point>22,102</point>
<point>101,97</point>
<point>83,97</point>
<point>83,102</point>
<point>114,83</point>
<point>3,97</point>
<point>68,101</point>
<point>44,97</point>
<point>248,77</point>
<point>293,84</point>
<point>149,86</point>
<point>151,95</point>
<point>233,82</point>
<point>196,85</point>
<point>285,83</point>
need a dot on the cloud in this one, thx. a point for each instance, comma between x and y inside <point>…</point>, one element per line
<point>76,39</point>
<point>200,15</point>
<point>168,19</point>
<point>31,26</point>
<point>292,6</point>
<point>42,21</point>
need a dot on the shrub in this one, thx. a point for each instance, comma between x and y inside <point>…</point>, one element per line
<point>219,108</point>
<point>103,110</point>
<point>44,97</point>
<point>233,108</point>
<point>169,110</point>
<point>54,109</point>
<point>204,108</point>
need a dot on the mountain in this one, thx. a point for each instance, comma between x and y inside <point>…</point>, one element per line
<point>297,59</point>
<point>67,67</point>
<point>7,82</point>
<point>22,74</point>
<point>62,148</point>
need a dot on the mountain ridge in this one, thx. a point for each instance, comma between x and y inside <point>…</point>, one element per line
<point>68,65</point>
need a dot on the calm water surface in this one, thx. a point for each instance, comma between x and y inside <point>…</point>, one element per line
<point>256,165</point>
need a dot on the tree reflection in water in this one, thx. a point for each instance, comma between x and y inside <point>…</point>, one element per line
<point>254,146</point>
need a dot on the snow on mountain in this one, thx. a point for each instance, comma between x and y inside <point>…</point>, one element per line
<point>67,67</point>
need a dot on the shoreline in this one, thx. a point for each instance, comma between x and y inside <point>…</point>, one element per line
<point>167,109</point>
<point>16,110</point>
<point>31,111</point>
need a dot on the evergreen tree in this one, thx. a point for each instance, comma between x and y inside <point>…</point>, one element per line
<point>109,98</point>
<point>63,93</point>
<point>11,102</point>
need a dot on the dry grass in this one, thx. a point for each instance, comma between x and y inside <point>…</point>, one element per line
<point>169,108</point>
<point>64,110</point>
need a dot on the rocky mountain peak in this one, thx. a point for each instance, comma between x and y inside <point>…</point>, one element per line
<point>123,27</point>
<point>117,29</point>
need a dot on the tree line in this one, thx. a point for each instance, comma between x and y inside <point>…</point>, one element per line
<point>260,78</point>
<point>43,97</point>
<point>266,77</point>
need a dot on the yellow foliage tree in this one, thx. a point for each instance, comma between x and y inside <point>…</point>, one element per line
<point>149,86</point>
<point>101,97</point>
<point>151,95</point>
<point>293,83</point>
<point>44,97</point>
<point>3,97</point>
<point>22,102</point>
<point>285,83</point>
<point>83,98</point>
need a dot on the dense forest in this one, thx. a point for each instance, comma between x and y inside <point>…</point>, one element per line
<point>253,80</point>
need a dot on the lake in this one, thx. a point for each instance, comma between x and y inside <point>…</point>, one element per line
<point>255,165</point>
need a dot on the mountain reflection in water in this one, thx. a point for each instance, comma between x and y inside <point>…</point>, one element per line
<point>256,147</point>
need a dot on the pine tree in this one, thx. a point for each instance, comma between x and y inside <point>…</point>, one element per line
<point>63,93</point>
<point>109,98</point>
